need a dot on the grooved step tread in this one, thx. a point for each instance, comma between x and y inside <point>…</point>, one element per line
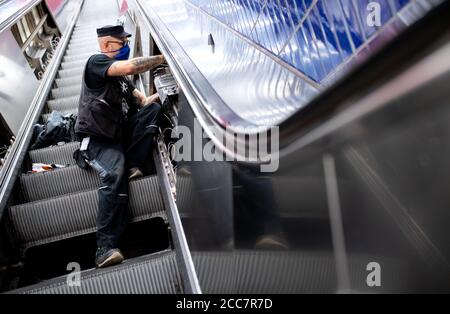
<point>70,215</point>
<point>43,185</point>
<point>66,91</point>
<point>66,103</point>
<point>59,154</point>
<point>150,274</point>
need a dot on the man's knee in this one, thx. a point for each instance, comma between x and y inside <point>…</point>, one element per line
<point>115,175</point>
<point>151,118</point>
<point>110,175</point>
<point>155,107</point>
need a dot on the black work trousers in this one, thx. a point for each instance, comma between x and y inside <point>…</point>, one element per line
<point>112,160</point>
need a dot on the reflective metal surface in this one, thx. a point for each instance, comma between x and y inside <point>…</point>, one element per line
<point>332,215</point>
<point>11,10</point>
<point>361,195</point>
<point>270,58</point>
<point>18,85</point>
<point>252,84</point>
<point>316,37</point>
<point>62,11</point>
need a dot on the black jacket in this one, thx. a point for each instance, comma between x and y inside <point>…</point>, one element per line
<point>100,111</point>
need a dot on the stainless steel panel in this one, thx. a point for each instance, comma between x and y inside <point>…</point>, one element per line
<point>18,85</point>
<point>271,58</point>
<point>367,186</point>
<point>62,11</point>
<point>10,10</point>
<point>251,83</point>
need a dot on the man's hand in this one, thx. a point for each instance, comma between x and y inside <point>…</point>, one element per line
<point>151,99</point>
<point>144,101</point>
<point>135,65</point>
<point>141,99</point>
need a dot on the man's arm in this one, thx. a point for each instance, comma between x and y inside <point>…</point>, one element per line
<point>134,66</point>
<point>144,101</point>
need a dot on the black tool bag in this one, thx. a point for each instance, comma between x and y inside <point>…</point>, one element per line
<point>59,128</point>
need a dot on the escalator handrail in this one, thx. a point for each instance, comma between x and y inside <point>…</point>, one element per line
<point>380,70</point>
<point>13,163</point>
<point>21,11</point>
<point>195,86</point>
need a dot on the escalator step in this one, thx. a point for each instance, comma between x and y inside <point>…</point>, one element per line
<point>268,271</point>
<point>61,104</point>
<point>71,72</point>
<point>66,91</point>
<point>82,44</point>
<point>84,30</point>
<point>92,49</point>
<point>73,64</point>
<point>43,185</point>
<point>61,154</point>
<point>66,216</point>
<point>64,112</point>
<point>68,81</point>
<point>151,274</point>
<point>80,36</point>
<point>81,56</point>
<point>85,34</point>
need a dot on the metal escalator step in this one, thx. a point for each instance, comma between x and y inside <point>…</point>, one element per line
<point>86,32</point>
<point>81,56</point>
<point>66,91</point>
<point>82,41</point>
<point>82,44</point>
<point>83,36</point>
<point>60,154</point>
<point>83,30</point>
<point>71,72</point>
<point>150,274</point>
<point>64,112</point>
<point>292,271</point>
<point>43,185</point>
<point>66,216</point>
<point>78,39</point>
<point>73,64</point>
<point>60,82</point>
<point>268,271</point>
<point>89,49</point>
<point>66,103</point>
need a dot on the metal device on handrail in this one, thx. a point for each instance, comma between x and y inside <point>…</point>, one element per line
<point>168,90</point>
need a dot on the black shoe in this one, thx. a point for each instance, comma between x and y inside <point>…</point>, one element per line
<point>135,173</point>
<point>106,257</point>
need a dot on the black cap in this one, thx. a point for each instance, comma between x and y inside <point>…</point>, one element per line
<point>116,31</point>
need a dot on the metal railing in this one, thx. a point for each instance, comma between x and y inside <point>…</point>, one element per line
<point>164,172</point>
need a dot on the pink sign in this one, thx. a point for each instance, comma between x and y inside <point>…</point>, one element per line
<point>54,5</point>
<point>124,6</point>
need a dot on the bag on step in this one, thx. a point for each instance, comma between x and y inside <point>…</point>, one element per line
<point>59,128</point>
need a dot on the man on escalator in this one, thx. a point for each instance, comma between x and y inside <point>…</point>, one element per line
<point>116,124</point>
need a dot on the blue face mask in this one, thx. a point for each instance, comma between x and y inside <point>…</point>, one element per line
<point>124,53</point>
